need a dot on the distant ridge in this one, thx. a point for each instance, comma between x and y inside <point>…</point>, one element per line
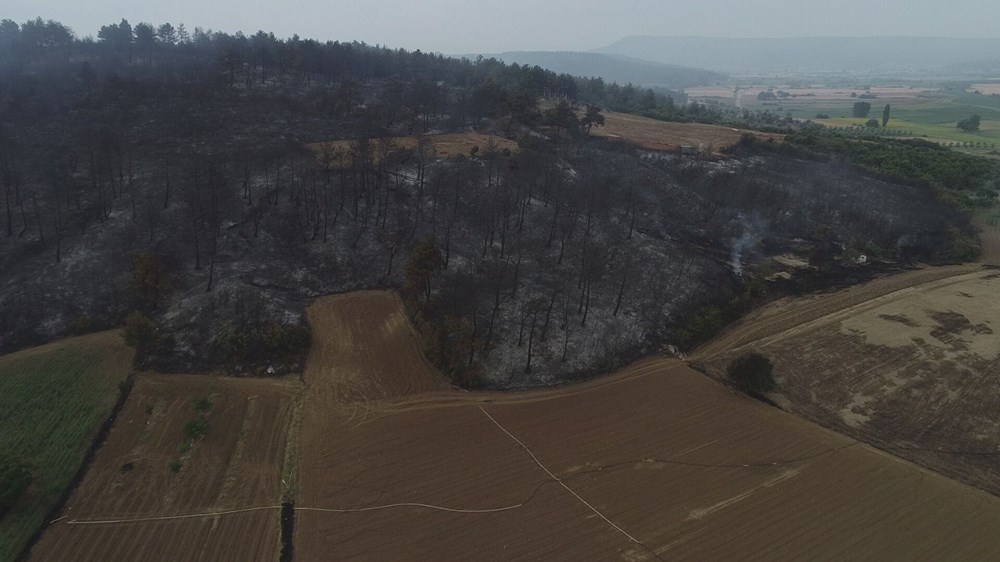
<point>614,68</point>
<point>807,53</point>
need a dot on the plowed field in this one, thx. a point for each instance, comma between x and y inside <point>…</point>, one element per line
<point>909,364</point>
<point>654,462</point>
<point>132,505</point>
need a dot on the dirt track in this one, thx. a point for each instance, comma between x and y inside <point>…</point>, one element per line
<point>653,462</point>
<point>236,466</point>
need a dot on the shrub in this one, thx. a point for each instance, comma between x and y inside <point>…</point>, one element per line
<point>140,332</point>
<point>15,477</point>
<point>268,341</point>
<point>202,404</point>
<point>752,373</point>
<point>196,428</point>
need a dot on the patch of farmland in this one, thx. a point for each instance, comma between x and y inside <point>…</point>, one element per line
<point>891,93</point>
<point>985,89</point>
<point>653,134</point>
<point>151,490</point>
<point>444,145</point>
<point>53,400</point>
<point>912,371</point>
<point>653,462</point>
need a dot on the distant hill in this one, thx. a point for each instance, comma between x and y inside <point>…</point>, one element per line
<point>615,68</point>
<point>806,53</point>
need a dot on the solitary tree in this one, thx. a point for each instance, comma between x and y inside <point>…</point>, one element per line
<point>752,373</point>
<point>970,125</point>
<point>861,109</point>
<point>592,117</point>
<point>140,332</point>
<point>885,115</point>
<point>424,262</point>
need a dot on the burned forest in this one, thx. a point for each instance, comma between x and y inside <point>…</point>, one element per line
<point>202,188</point>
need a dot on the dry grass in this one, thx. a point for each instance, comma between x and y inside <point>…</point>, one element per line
<point>909,365</point>
<point>652,134</point>
<point>446,145</point>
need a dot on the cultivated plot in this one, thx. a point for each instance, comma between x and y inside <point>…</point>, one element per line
<point>654,462</point>
<point>53,400</point>
<point>167,487</point>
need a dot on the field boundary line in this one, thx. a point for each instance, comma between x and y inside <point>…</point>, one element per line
<point>411,504</point>
<point>168,517</point>
<point>315,509</point>
<point>563,484</point>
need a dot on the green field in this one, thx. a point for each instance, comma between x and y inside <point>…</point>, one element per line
<point>933,117</point>
<point>53,400</point>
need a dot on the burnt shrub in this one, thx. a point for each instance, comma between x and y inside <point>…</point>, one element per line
<point>266,342</point>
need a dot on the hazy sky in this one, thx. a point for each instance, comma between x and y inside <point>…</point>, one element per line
<point>468,26</point>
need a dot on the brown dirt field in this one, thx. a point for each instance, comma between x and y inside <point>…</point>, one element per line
<point>654,462</point>
<point>907,363</point>
<point>236,466</point>
<point>446,145</point>
<point>652,134</point>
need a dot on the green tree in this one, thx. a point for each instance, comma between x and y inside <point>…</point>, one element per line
<point>150,286</point>
<point>145,39</point>
<point>424,262</point>
<point>861,109</point>
<point>118,36</point>
<point>752,373</point>
<point>592,117</point>
<point>563,117</point>
<point>885,115</point>
<point>970,125</point>
<point>166,34</point>
<point>140,332</point>
<point>872,124</point>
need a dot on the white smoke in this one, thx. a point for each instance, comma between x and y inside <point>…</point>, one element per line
<point>752,230</point>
